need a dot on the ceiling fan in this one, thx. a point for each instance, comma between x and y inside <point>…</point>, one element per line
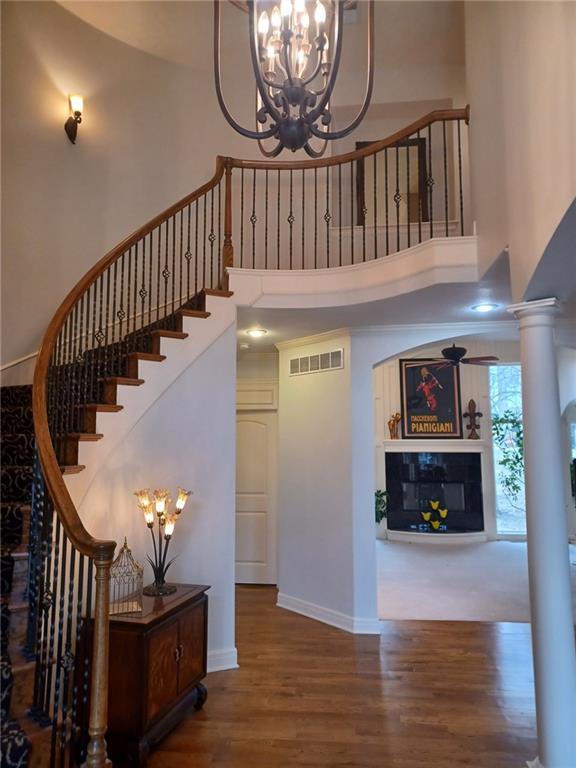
<point>455,355</point>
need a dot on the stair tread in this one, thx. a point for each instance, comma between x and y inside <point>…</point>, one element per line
<point>169,334</point>
<point>85,436</point>
<point>217,292</point>
<point>104,407</point>
<point>150,356</point>
<point>193,313</point>
<point>72,469</point>
<point>124,380</point>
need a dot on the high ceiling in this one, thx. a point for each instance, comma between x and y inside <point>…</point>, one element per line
<point>408,33</point>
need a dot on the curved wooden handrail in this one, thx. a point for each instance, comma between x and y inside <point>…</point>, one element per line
<point>439,115</point>
<point>100,550</point>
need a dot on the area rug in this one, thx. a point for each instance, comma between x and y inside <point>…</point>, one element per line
<point>471,582</point>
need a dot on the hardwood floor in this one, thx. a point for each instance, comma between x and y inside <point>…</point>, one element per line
<point>423,695</point>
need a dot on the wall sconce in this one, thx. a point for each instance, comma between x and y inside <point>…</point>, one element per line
<point>76,108</point>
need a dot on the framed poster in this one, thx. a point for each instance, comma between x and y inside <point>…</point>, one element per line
<point>430,394</point>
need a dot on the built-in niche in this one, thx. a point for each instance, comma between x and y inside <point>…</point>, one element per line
<point>436,493</point>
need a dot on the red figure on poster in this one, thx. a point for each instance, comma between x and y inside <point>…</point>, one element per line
<point>428,384</point>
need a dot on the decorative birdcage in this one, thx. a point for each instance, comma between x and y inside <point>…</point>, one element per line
<point>126,583</point>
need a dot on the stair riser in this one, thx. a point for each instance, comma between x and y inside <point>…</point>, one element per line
<point>19,579</point>
<point>19,395</point>
<point>17,449</point>
<point>17,484</point>
<point>12,523</point>
<point>18,625</point>
<point>16,419</point>
<point>23,690</point>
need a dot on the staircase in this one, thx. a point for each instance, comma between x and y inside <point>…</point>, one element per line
<point>108,336</point>
<point>17,674</point>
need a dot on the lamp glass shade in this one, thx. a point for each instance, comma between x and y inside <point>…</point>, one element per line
<point>182,499</point>
<point>76,103</point>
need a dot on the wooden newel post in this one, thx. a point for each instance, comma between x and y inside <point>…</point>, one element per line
<point>96,753</point>
<point>228,248</point>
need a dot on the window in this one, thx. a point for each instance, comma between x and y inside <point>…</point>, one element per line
<point>506,407</point>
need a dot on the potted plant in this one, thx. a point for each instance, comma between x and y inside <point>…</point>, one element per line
<point>380,512</point>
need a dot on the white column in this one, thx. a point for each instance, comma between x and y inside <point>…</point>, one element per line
<point>554,652</point>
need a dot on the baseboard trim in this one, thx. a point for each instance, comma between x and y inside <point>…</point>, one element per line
<point>227,658</point>
<point>355,625</point>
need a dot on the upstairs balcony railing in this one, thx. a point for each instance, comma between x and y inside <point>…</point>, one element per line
<point>345,210</point>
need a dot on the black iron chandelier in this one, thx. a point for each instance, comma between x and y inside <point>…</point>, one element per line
<point>295,48</point>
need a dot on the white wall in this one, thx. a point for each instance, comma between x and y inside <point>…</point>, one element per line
<point>186,438</point>
<point>150,133</point>
<point>315,560</point>
<point>521,83</point>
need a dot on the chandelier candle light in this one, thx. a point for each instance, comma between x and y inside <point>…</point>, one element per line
<point>157,508</point>
<point>295,49</point>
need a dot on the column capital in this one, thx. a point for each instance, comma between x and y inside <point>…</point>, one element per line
<point>541,307</point>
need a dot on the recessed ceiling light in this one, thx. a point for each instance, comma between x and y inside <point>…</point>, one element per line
<point>485,307</point>
<point>256,333</point>
<point>244,345</point>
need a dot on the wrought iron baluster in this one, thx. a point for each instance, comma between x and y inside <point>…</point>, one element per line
<point>430,183</point>
<point>241,217</point>
<point>219,270</point>
<point>460,180</point>
<point>327,216</point>
<point>188,254</point>
<point>352,228</point>
<point>303,216</point>
<point>364,214</point>
<point>340,214</point>
<point>397,197</point>
<point>150,278</point>
<point>67,660</point>
<point>375,201</point>
<point>408,221</point>
<point>278,224</point>
<point>211,239</point>
<point>204,246</point>
<point>315,218</point>
<point>173,265</point>
<point>135,289</point>
<point>196,250</point>
<point>57,696</point>
<point>420,191</point>
<point>143,292</point>
<point>166,270</point>
<point>290,218</point>
<point>158,270</point>
<point>445,176</point>
<point>386,201</point>
<point>80,588</point>
<point>253,218</point>
<point>266,185</point>
<point>50,622</point>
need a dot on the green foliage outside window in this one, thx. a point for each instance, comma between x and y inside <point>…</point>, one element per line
<point>508,434</point>
<point>380,505</point>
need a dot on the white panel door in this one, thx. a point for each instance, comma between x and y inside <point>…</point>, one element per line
<point>256,459</point>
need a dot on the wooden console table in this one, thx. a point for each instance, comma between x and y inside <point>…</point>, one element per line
<point>157,660</point>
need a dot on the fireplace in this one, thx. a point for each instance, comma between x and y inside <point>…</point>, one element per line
<point>434,492</point>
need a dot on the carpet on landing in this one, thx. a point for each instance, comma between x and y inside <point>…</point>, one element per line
<point>456,582</point>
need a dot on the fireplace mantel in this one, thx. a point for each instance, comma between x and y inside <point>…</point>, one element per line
<point>439,445</point>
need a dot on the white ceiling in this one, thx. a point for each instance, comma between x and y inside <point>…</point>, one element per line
<point>444,303</point>
<point>407,33</point>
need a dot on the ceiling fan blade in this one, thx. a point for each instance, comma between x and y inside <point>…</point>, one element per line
<point>444,364</point>
<point>481,357</point>
<point>485,360</point>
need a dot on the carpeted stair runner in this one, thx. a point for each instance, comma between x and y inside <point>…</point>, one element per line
<point>17,453</point>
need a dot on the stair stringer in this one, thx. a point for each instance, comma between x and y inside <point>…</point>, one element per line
<point>136,401</point>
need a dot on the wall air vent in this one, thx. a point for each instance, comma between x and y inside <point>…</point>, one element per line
<point>325,361</point>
